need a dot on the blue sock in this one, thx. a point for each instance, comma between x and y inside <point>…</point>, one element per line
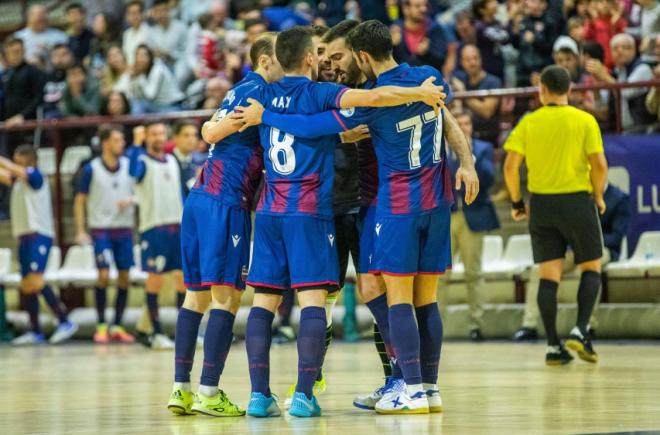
<point>152,307</point>
<point>99,298</point>
<point>185,341</point>
<point>217,342</point>
<point>120,304</point>
<point>31,304</point>
<point>310,347</point>
<point>405,341</point>
<point>380,311</point>
<point>54,303</point>
<point>258,336</point>
<point>430,341</point>
<point>180,297</point>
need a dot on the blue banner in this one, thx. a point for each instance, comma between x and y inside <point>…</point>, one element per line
<point>634,162</point>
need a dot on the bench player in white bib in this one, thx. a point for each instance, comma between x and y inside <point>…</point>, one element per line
<point>160,201</point>
<point>104,204</point>
<point>32,224</point>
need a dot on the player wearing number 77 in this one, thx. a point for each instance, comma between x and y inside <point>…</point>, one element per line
<point>294,238</point>
<point>412,245</point>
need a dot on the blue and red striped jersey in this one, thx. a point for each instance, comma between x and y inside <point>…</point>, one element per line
<point>299,171</point>
<point>234,166</point>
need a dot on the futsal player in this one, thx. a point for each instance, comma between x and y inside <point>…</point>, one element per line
<point>186,140</point>
<point>32,224</point>
<point>412,246</point>
<point>160,199</point>
<point>215,243</point>
<point>104,204</point>
<point>566,175</point>
<point>294,241</point>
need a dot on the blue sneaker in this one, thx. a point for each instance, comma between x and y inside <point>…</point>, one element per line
<point>64,331</point>
<point>262,406</point>
<point>368,401</point>
<point>29,338</point>
<point>301,406</point>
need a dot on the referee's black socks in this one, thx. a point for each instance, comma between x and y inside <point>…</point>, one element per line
<point>586,298</point>
<point>547,300</point>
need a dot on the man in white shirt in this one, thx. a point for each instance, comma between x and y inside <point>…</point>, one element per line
<point>38,38</point>
<point>138,31</point>
<point>167,37</point>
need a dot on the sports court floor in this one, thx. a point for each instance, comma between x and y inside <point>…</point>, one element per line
<point>487,388</point>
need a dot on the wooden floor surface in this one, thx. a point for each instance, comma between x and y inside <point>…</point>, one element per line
<point>487,388</point>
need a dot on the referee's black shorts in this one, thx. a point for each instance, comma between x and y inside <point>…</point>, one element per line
<point>348,241</point>
<point>562,220</point>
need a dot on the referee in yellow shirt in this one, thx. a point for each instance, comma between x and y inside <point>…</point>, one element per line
<point>567,172</point>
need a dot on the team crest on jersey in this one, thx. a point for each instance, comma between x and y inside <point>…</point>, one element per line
<point>230,97</point>
<point>347,113</point>
<point>235,239</point>
<point>378,229</point>
<point>331,239</point>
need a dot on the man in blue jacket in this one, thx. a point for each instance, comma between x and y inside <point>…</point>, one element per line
<point>470,223</point>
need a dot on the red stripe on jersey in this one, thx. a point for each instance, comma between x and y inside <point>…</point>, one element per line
<point>280,195</point>
<point>339,95</point>
<point>343,126</point>
<point>308,200</point>
<point>215,179</point>
<point>447,192</point>
<point>199,182</point>
<point>429,179</point>
<point>251,177</point>
<point>399,193</point>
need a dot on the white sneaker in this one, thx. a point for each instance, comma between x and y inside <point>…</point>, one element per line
<point>399,401</point>
<point>161,342</point>
<point>435,401</point>
<point>64,331</point>
<point>29,338</point>
<point>368,401</point>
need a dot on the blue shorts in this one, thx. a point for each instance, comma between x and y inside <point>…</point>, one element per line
<point>115,244</point>
<point>297,252</point>
<point>413,245</point>
<point>161,249</point>
<point>33,250</point>
<point>215,243</point>
<point>367,236</point>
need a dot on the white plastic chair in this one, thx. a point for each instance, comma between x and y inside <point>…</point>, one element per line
<point>53,265</point>
<point>79,268</point>
<point>46,160</point>
<point>492,252</point>
<point>72,157</point>
<point>645,260</point>
<point>5,265</point>
<point>619,177</point>
<point>516,259</point>
<point>136,274</point>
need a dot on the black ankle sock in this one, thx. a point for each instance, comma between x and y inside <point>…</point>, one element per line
<point>586,298</point>
<point>547,300</point>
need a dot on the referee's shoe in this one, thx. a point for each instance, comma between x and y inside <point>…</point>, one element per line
<point>578,342</point>
<point>557,355</point>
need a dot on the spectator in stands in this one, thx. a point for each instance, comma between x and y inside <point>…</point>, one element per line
<point>168,39</point>
<point>61,58</point>
<point>653,98</point>
<point>486,110</point>
<point>614,224</point>
<point>565,52</point>
<point>106,34</point>
<point>465,29</point>
<point>115,104</point>
<point>648,29</point>
<point>592,59</point>
<point>38,37</point>
<point>628,68</point>
<point>115,70</point>
<point>470,223</point>
<point>23,83</point>
<point>80,36</point>
<point>137,32</point>
<point>576,29</point>
<point>152,87</point>
<point>605,22</point>
<point>534,30</point>
<point>491,36</point>
<point>81,96</point>
<point>418,40</point>
<point>210,61</point>
<point>186,141</point>
<point>577,8</point>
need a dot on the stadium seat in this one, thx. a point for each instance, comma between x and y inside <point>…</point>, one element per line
<point>46,158</point>
<point>136,274</point>
<point>79,268</point>
<point>645,261</point>
<point>13,279</point>
<point>491,255</point>
<point>516,259</point>
<point>51,274</point>
<point>72,157</point>
<point>5,263</point>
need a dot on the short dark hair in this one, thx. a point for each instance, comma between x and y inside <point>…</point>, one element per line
<point>28,151</point>
<point>319,30</point>
<point>262,46</point>
<point>292,45</point>
<point>149,124</point>
<point>204,20</point>
<point>372,37</point>
<point>137,3</point>
<point>477,6</point>
<point>594,50</point>
<point>180,125</point>
<point>340,30</point>
<point>74,5</point>
<point>60,45</point>
<point>254,22</point>
<point>556,79</point>
<point>13,40</point>
<point>77,65</point>
<point>106,130</point>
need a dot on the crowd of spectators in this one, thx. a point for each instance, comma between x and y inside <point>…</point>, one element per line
<point>156,56</point>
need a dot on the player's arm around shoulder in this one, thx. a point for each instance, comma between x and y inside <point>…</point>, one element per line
<point>222,124</point>
<point>387,96</point>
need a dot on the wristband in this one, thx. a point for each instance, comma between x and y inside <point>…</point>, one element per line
<point>518,205</point>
